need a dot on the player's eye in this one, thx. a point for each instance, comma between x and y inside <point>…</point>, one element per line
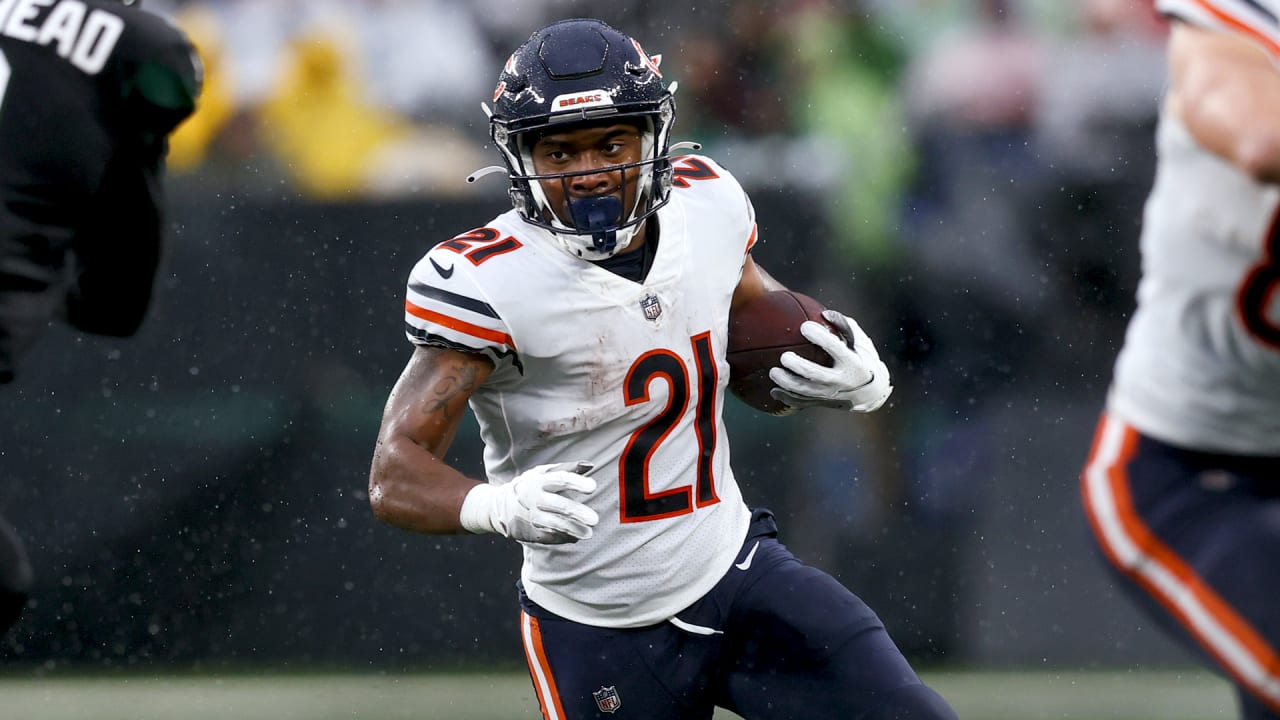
<point>618,146</point>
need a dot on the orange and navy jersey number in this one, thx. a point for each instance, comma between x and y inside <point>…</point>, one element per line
<point>1218,611</point>
<point>1256,299</point>
<point>688,168</point>
<point>698,384</point>
<point>481,244</point>
<point>477,246</point>
<point>470,319</point>
<point>638,503</point>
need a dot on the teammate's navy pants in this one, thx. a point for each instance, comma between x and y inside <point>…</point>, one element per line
<point>1196,537</point>
<point>776,640</point>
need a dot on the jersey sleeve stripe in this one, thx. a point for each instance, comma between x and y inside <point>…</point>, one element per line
<point>1268,40</point>
<point>460,326</point>
<point>419,336</point>
<point>751,241</point>
<point>1262,10</point>
<point>462,301</point>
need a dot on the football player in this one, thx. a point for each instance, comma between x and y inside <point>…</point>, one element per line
<point>89,92</point>
<point>1182,486</point>
<point>586,329</point>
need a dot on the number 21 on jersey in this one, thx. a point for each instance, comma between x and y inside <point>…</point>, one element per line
<point>638,503</point>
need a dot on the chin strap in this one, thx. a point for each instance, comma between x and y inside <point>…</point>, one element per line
<point>599,216</point>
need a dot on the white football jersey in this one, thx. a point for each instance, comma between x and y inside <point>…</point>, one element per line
<point>629,376</point>
<point>1200,367</point>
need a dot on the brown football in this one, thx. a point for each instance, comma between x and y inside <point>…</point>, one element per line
<point>761,330</point>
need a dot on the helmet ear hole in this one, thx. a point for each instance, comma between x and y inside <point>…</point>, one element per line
<point>521,200</point>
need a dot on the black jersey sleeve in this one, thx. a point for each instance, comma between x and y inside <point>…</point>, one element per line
<point>116,250</point>
<point>161,76</point>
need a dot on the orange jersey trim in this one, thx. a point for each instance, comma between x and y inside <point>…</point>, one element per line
<point>1139,553</point>
<point>751,241</point>
<point>460,325</point>
<point>1237,24</point>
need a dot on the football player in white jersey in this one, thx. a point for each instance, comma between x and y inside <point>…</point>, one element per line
<point>586,328</point>
<point>1182,486</point>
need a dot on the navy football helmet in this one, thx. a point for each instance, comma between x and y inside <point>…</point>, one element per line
<point>575,71</point>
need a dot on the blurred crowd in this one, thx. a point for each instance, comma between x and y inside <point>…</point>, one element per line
<point>350,98</point>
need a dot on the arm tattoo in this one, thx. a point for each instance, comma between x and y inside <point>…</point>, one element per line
<point>458,379</point>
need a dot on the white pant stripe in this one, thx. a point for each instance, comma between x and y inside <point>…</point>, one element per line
<point>1170,589</point>
<point>543,687</point>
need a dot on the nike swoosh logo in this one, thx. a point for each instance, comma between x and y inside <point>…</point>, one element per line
<point>745,564</point>
<point>446,274</point>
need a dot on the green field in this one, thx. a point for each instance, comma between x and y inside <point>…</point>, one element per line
<point>1164,695</point>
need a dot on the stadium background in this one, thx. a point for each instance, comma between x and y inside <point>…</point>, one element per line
<point>963,176</point>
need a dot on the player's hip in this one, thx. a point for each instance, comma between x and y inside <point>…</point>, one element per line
<point>1151,503</point>
<point>768,619</point>
<point>764,585</point>
<point>640,573</point>
<point>1132,470</point>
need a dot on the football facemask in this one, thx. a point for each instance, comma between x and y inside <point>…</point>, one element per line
<point>591,227</point>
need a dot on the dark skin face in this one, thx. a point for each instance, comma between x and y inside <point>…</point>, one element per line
<point>582,148</point>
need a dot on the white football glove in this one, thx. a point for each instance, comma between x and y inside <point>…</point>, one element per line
<point>533,506</point>
<point>858,381</point>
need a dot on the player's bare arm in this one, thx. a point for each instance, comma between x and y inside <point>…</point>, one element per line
<point>753,283</point>
<point>410,485</point>
<point>1226,90</point>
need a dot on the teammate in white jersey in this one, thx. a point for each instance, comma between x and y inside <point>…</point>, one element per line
<point>586,328</point>
<point>1182,486</point>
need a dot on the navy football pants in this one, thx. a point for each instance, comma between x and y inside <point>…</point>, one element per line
<point>1196,538</point>
<point>779,640</point>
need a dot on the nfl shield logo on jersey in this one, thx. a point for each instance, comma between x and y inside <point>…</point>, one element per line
<point>607,699</point>
<point>652,308</point>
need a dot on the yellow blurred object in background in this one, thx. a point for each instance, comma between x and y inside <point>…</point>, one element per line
<point>320,128</point>
<point>189,145</point>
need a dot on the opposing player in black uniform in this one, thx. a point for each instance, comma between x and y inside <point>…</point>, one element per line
<point>89,92</point>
